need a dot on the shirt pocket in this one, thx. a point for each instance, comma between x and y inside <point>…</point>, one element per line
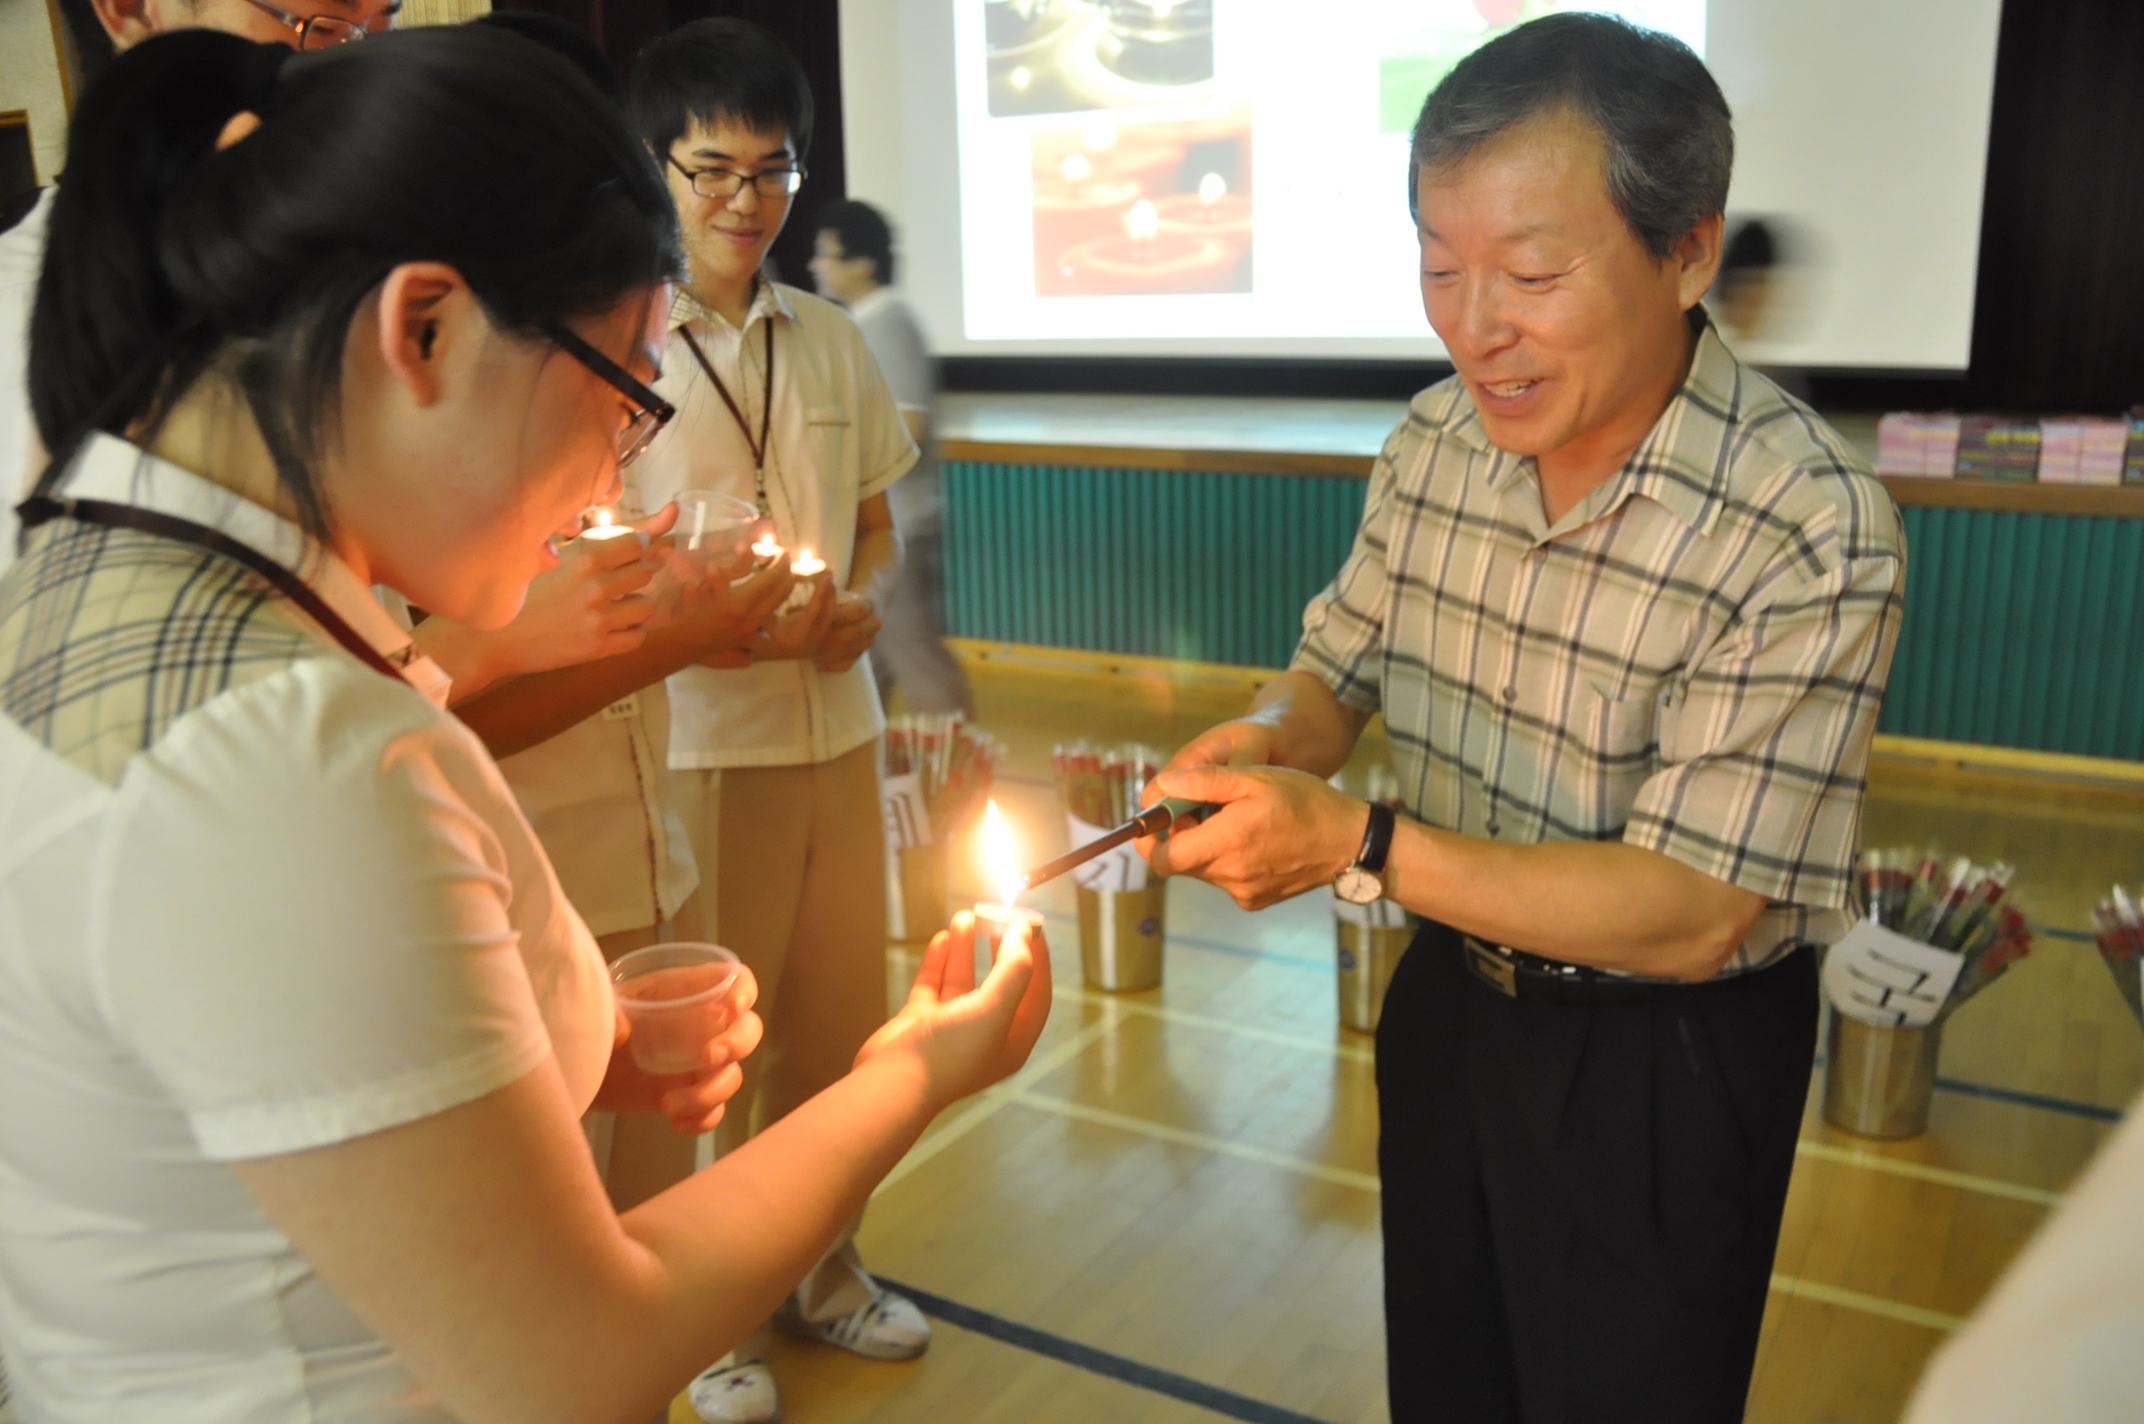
<point>827,428</point>
<point>1619,740</point>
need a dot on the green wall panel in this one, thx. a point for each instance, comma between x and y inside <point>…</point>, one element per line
<point>1163,563</point>
<point>2022,630</point>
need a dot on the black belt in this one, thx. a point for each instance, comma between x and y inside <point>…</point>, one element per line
<point>1518,975</point>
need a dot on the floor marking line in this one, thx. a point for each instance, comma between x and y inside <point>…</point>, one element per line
<point>1800,1289</point>
<point>1353,1052</point>
<point>1184,1137</point>
<point>991,1101</point>
<point>1921,1171</point>
<point>1225,1402</point>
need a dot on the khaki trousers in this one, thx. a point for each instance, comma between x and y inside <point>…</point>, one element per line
<point>799,892</point>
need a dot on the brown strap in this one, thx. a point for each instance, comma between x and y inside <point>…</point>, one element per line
<point>41,509</point>
<point>766,408</point>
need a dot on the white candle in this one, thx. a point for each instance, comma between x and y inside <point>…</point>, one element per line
<point>807,564</point>
<point>994,919</point>
<point>605,528</point>
<point>767,547</point>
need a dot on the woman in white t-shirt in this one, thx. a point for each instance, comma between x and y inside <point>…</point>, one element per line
<point>295,1023</point>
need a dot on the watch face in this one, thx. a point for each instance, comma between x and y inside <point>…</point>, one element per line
<point>1358,886</point>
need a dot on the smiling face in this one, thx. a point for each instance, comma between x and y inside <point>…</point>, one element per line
<point>463,454</point>
<point>1569,335</point>
<point>727,238</point>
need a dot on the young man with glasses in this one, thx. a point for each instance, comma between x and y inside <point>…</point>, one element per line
<point>775,764</point>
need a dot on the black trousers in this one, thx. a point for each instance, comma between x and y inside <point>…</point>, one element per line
<point>1582,1199</point>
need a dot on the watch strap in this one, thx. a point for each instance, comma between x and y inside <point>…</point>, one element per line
<point>1377,838</point>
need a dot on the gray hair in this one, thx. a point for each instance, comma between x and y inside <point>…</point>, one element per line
<point>1670,140</point>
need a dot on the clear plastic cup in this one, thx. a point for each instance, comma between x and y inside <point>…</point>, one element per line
<point>676,997</point>
<point>716,529</point>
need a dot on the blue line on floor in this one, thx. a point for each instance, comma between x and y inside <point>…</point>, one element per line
<point>1101,1362</point>
<point>2029,1100</point>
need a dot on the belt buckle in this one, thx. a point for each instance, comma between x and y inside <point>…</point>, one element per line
<point>1492,968</point>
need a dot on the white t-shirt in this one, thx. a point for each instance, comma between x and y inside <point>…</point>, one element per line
<point>2058,1340</point>
<point>836,440</point>
<point>255,898</point>
<point>22,454</point>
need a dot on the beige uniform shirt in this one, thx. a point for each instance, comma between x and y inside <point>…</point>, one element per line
<point>836,439</point>
<point>595,794</point>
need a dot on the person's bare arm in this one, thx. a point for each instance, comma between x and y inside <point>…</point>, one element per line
<point>518,714</point>
<point>479,1245</point>
<point>1614,906</point>
<point>1294,721</point>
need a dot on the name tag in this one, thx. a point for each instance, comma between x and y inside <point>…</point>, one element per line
<point>623,709</point>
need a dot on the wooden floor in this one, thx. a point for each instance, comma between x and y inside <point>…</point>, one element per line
<point>1184,1181</point>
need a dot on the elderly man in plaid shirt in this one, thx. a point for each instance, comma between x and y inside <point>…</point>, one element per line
<point>1628,611</point>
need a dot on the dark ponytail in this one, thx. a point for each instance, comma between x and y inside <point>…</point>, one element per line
<point>456,144</point>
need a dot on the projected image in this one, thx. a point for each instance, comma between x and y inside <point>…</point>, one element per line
<point>1062,56</point>
<point>1412,64</point>
<point>1143,210</point>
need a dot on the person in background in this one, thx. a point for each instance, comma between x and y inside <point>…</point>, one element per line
<point>775,764</point>
<point>1628,612</point>
<point>294,1021</point>
<point>98,28</point>
<point>853,263</point>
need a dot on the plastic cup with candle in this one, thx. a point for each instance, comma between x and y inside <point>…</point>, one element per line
<point>994,919</point>
<point>810,571</point>
<point>716,529</point>
<point>608,521</point>
<point>676,997</point>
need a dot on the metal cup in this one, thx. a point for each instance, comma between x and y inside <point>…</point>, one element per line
<point>1120,937</point>
<point>1368,955</point>
<point>1879,1079</point>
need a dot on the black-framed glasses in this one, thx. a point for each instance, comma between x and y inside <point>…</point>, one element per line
<point>325,31</point>
<point>650,412</point>
<point>722,183</point>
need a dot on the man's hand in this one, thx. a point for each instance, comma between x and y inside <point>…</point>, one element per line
<point>849,634</point>
<point>1277,832</point>
<point>1246,741</point>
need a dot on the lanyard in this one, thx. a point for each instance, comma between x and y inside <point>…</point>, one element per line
<point>41,509</point>
<point>766,410</point>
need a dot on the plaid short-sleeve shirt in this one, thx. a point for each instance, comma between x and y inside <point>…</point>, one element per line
<point>1691,660</point>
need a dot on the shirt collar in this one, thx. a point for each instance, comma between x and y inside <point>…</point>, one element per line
<point>1682,464</point>
<point>118,472</point>
<point>771,300</point>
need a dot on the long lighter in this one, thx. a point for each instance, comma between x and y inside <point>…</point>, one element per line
<point>1157,819</point>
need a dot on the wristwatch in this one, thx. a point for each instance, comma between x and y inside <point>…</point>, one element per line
<point>1363,882</point>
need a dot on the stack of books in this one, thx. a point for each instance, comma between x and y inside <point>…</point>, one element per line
<point>2064,449</point>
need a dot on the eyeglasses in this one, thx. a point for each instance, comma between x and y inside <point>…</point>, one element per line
<point>722,183</point>
<point>326,31</point>
<point>650,412</point>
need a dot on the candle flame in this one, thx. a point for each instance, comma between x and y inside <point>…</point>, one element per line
<point>1076,168</point>
<point>1142,222</point>
<point>767,547</point>
<point>806,563</point>
<point>1001,855</point>
<point>602,519</point>
<point>1212,189</point>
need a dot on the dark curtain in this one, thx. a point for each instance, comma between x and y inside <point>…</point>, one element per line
<point>811,29</point>
<point>2058,323</point>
